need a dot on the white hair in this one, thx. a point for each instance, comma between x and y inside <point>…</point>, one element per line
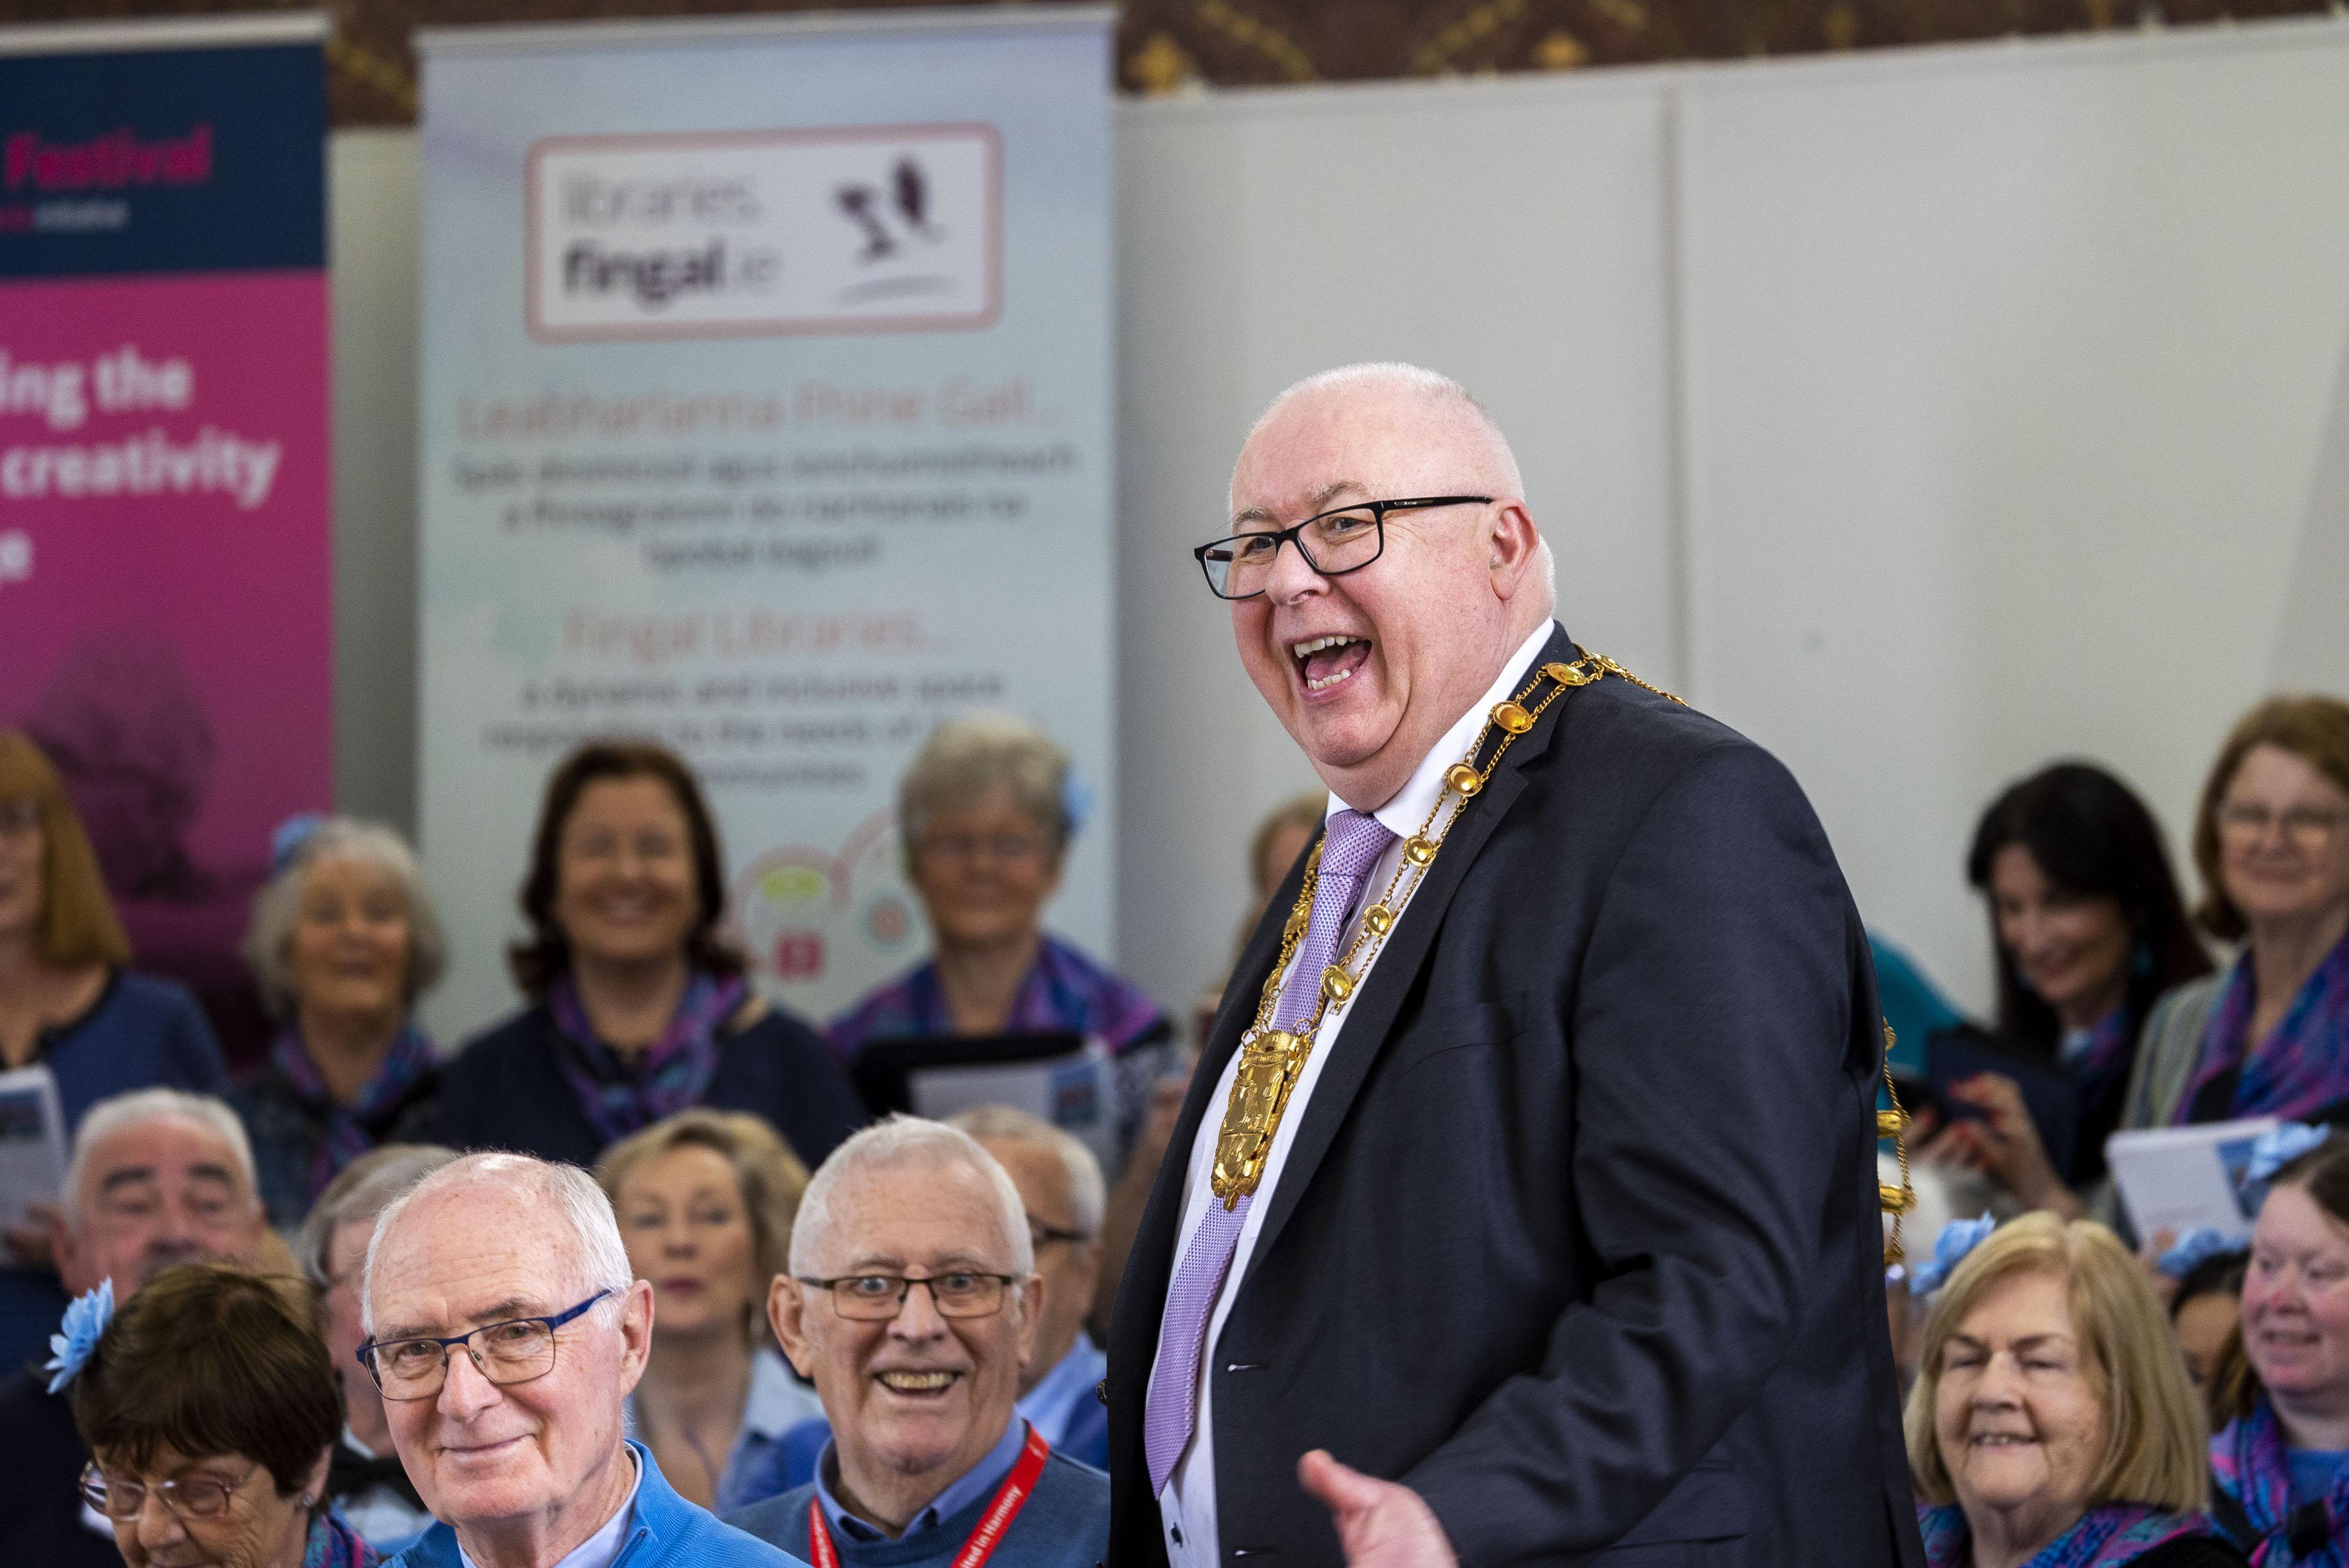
<point>603,1259</point>
<point>1088,1193</point>
<point>1395,376</point>
<point>365,1185</point>
<point>279,907</point>
<point>905,1141</point>
<point>108,1117</point>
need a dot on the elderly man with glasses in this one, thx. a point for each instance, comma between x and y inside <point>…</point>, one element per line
<point>505,1330</point>
<point>913,1303</point>
<point>158,1177</point>
<point>1529,1169</point>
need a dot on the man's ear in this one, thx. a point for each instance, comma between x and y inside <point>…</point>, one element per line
<point>787,1315</point>
<point>1514,547</point>
<point>636,1333</point>
<point>1031,1293</point>
<point>70,1261</point>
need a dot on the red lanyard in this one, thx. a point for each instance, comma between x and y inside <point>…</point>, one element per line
<point>1009,1499</point>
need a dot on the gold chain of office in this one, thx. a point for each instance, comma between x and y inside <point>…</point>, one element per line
<point>1271,1060</point>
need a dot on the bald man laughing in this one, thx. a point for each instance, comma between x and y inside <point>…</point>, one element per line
<point>1524,1208</point>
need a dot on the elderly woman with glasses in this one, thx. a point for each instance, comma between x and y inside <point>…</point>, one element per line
<point>211,1414</point>
<point>344,939</point>
<point>2052,1424</point>
<point>986,815</point>
<point>2269,1034</point>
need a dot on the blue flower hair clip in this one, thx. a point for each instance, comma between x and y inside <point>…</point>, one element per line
<point>1076,799</point>
<point>2197,1247</point>
<point>2279,1146</point>
<point>293,833</point>
<point>86,1320</point>
<point>1957,1238</point>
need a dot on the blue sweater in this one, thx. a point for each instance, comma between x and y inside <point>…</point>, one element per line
<point>1065,1524</point>
<point>667,1531</point>
<point>507,1091</point>
<point>143,1032</point>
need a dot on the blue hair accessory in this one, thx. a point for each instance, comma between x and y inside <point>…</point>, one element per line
<point>1076,799</point>
<point>2279,1146</point>
<point>2197,1247</point>
<point>86,1320</point>
<point>293,833</point>
<point>1957,1238</point>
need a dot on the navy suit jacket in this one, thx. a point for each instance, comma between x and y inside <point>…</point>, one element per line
<point>1580,1235</point>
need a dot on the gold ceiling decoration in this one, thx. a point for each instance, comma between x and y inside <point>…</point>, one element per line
<point>1165,45</point>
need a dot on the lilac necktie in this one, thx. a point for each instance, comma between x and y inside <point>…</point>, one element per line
<point>1351,847</point>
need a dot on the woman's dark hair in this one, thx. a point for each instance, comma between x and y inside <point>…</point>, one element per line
<point>2093,838</point>
<point>547,954</point>
<point>2221,1273</point>
<point>212,1358</point>
<point>2323,1174</point>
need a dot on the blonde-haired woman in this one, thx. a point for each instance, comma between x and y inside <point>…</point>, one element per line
<point>705,1200</point>
<point>2052,1424</point>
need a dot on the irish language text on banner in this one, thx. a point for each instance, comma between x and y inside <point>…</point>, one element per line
<point>767,413</point>
<point>165,623</point>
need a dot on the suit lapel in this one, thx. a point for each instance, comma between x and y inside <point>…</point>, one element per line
<point>1373,1012</point>
<point>1141,1294</point>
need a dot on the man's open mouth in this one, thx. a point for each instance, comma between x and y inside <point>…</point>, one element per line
<point>918,1385</point>
<point>1323,663</point>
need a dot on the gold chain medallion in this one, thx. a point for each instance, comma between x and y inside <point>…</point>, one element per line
<point>1272,1061</point>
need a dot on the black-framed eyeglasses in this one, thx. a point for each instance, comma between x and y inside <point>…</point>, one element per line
<point>193,1497</point>
<point>1040,1235</point>
<point>1334,542</point>
<point>879,1298</point>
<point>514,1351</point>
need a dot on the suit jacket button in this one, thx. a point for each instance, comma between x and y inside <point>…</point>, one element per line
<point>1100,1390</point>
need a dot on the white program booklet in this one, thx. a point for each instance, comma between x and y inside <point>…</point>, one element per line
<point>32,1142</point>
<point>2176,1178</point>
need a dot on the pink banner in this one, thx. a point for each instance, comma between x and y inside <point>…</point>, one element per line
<point>165,579</point>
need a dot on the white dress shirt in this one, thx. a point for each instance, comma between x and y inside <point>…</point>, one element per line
<point>1186,1509</point>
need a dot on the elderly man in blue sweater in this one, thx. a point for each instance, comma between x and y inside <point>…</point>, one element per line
<point>506,1329</point>
<point>913,1303</point>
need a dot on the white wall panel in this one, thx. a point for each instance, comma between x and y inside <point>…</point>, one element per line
<point>2008,371</point>
<point>1508,233</point>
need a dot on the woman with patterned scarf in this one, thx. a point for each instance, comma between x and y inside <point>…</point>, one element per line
<point>2269,1034</point>
<point>638,1008</point>
<point>343,940</point>
<point>2283,1491</point>
<point>2052,1424</point>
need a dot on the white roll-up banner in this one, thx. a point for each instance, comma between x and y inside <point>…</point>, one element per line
<point>766,412</point>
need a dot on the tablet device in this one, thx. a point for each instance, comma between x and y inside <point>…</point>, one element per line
<point>2048,1093</point>
<point>1068,1080</point>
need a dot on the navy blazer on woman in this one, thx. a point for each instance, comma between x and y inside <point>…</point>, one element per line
<point>1579,1235</point>
<point>507,1091</point>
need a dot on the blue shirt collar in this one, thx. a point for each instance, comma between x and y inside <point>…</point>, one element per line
<point>1062,1391</point>
<point>973,1483</point>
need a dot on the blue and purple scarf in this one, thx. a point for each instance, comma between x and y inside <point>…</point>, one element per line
<point>620,1097</point>
<point>350,1129</point>
<point>1063,993</point>
<point>2116,1533</point>
<point>334,1544</point>
<point>2297,1071</point>
<point>2249,1463</point>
